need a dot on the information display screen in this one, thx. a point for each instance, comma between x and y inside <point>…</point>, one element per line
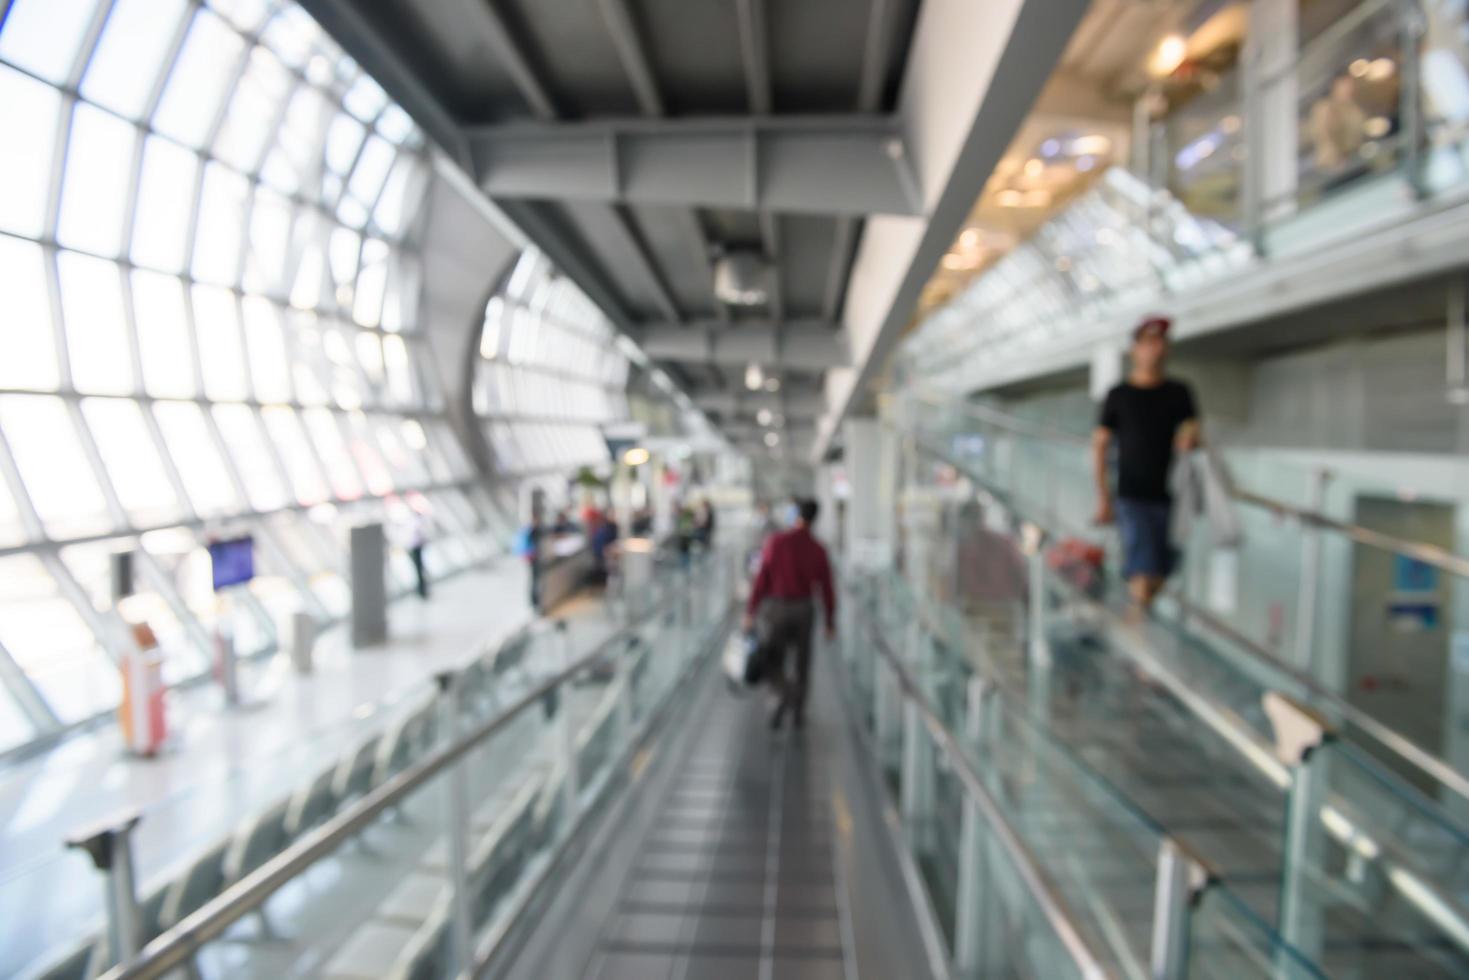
<point>233,561</point>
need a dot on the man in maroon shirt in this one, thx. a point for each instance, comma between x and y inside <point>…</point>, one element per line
<point>794,571</point>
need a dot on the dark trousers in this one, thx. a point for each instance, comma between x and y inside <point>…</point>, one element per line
<point>788,624</point>
<point>416,553</point>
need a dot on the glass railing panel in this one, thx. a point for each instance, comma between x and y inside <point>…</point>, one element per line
<point>1204,149</point>
<point>1228,941</point>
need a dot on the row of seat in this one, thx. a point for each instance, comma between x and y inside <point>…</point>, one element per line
<point>259,838</point>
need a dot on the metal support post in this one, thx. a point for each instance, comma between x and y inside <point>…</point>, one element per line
<point>1310,584</point>
<point>1411,99</point>
<point>457,813</point>
<point>918,762</point>
<point>566,748</point>
<point>1039,650</point>
<point>1180,880</point>
<point>1301,735</point>
<point>110,847</point>
<point>977,944</point>
<point>884,710</point>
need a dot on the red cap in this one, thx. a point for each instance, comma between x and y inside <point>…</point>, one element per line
<point>1153,326</point>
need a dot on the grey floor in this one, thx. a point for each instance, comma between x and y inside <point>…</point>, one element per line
<point>750,854</point>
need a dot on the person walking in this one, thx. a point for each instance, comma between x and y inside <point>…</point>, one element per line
<point>1150,416</point>
<point>418,534</point>
<point>794,573</point>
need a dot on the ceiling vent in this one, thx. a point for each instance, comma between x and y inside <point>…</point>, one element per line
<point>742,279</point>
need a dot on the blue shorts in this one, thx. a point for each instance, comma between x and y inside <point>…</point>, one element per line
<point>1147,548</point>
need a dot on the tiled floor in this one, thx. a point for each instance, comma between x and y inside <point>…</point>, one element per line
<point>221,764</point>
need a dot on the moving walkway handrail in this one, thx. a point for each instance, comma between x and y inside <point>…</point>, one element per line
<point>1053,906</point>
<point>1428,554</point>
<point>172,949</point>
<point>1435,767</point>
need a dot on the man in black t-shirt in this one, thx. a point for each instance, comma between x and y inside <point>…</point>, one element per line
<point>1148,416</point>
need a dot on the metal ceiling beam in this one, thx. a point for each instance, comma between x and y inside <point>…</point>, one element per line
<point>799,405</point>
<point>801,347</point>
<point>510,54</point>
<point>755,52</point>
<point>770,240</point>
<point>349,27</point>
<point>814,164</point>
<point>629,43</point>
<point>638,250</point>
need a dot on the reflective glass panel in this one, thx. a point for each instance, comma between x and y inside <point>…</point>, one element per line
<point>221,348</point>
<point>94,193</point>
<point>45,35</point>
<point>130,54</point>
<point>25,329</point>
<point>194,452</point>
<point>163,335</point>
<point>31,110</point>
<point>300,459</point>
<point>245,441</point>
<point>220,233</point>
<point>48,452</point>
<point>165,193</point>
<point>96,330</point>
<point>197,84</point>
<point>267,347</point>
<point>131,457</point>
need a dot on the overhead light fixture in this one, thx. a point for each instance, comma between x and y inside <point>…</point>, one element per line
<point>1093,145</point>
<point>772,439</point>
<point>763,416</point>
<point>772,384</point>
<point>1035,167</point>
<point>742,278</point>
<point>1381,69</point>
<point>1010,198</point>
<point>1360,67</point>
<point>754,377</point>
<point>970,238</point>
<point>1084,164</point>
<point>1051,147</point>
<point>1377,127</point>
<point>1230,125</point>
<point>636,456</point>
<point>1170,54</point>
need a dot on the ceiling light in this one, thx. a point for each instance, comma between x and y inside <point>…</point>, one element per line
<point>1360,67</point>
<point>636,456</point>
<point>1035,167</point>
<point>1010,199</point>
<point>1083,164</point>
<point>772,384</point>
<point>1377,127</point>
<point>1170,54</point>
<point>741,278</point>
<point>1035,199</point>
<point>970,238</point>
<point>1230,125</point>
<point>958,263</point>
<point>772,439</point>
<point>1051,147</point>
<point>763,416</point>
<point>1094,144</point>
<point>754,377</point>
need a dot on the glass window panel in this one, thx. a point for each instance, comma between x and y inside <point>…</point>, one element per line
<point>15,728</point>
<point>196,455</point>
<point>300,459</point>
<point>221,349</point>
<point>395,124</point>
<point>343,137</point>
<point>12,531</point>
<point>391,213</point>
<point>395,363</point>
<point>161,225</point>
<point>45,35</point>
<point>254,106</point>
<point>332,449</point>
<point>130,54</point>
<point>31,110</point>
<point>132,461</point>
<point>242,435</point>
<point>371,170</point>
<point>346,247</point>
<point>26,335</point>
<point>306,290</point>
<point>96,331</point>
<point>48,452</point>
<point>296,155</point>
<point>269,251</point>
<point>364,450</point>
<point>267,346</point>
<point>221,229</point>
<point>365,99</point>
<point>197,85</point>
<point>52,643</point>
<point>163,335</point>
<point>247,15</point>
<point>94,195</point>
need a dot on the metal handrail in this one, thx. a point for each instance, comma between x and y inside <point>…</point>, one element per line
<point>1428,554</point>
<point>172,949</point>
<point>1404,748</point>
<point>1052,905</point>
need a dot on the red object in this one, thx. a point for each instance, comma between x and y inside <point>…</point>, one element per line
<point>1153,326</point>
<point>1078,560</point>
<point>793,565</point>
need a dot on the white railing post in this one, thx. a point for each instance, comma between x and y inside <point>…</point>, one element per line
<point>111,849</point>
<point>457,826</point>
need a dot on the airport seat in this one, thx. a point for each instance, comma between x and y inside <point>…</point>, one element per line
<point>394,754</point>
<point>354,772</point>
<point>429,954</point>
<point>255,841</point>
<point>201,882</point>
<point>311,804</point>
